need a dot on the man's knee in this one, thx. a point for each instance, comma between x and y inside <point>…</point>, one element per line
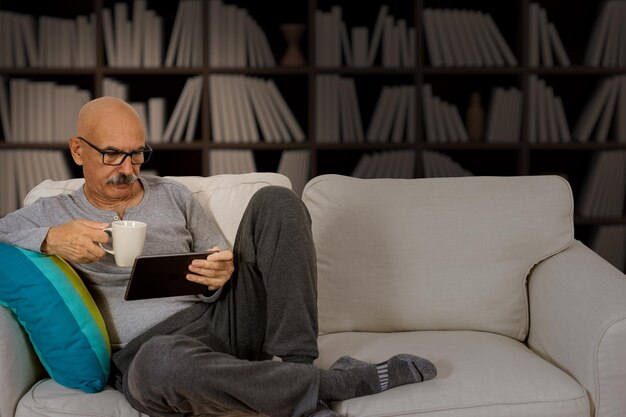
<point>155,361</point>
<point>278,199</point>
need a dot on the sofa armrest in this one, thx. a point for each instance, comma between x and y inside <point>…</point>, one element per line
<point>19,366</point>
<point>578,322</point>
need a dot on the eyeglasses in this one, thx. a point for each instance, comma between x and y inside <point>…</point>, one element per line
<point>117,157</point>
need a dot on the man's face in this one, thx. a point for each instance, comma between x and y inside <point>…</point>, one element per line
<point>111,183</point>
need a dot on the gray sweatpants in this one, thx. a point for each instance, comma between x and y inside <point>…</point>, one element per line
<point>216,358</point>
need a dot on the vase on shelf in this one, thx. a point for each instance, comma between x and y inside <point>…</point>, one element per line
<point>293,56</point>
<point>475,119</point>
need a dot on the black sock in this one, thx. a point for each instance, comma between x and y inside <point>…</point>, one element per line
<point>349,378</point>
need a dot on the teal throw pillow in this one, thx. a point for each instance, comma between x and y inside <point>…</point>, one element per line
<point>61,319</point>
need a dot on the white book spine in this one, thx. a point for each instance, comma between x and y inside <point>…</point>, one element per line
<point>259,110</point>
<point>610,52</point>
<point>286,114</point>
<point>532,108</point>
<point>557,45</point>
<point>481,24</point>
<point>564,131</point>
<point>439,120</point>
<point>542,113</point>
<point>443,37</point>
<point>598,35</point>
<point>346,47</point>
<point>194,110</point>
<point>553,131</point>
<point>500,41</point>
<point>215,7</point>
<point>411,116</point>
<point>533,35</point>
<point>432,40</point>
<point>604,124</point>
<point>345,118</point>
<point>232,133</point>
<point>457,44</point>
<point>359,46</point>
<point>398,132</point>
<point>109,38</point>
<point>177,114</point>
<point>470,42</point>
<point>373,132</point>
<point>139,8</point>
<point>156,118</point>
<point>279,132</point>
<point>427,106</point>
<point>591,112</point>
<point>546,50</point>
<point>215,103</point>
<point>175,35</point>
<point>621,111</point>
<point>5,117</point>
<point>377,34</point>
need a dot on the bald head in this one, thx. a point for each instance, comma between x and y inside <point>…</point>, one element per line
<point>104,115</point>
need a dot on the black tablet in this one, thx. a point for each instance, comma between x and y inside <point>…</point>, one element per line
<point>155,276</point>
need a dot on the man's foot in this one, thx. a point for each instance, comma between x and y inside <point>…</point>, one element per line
<point>350,378</point>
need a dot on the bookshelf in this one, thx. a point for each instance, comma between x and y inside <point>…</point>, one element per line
<point>574,85</point>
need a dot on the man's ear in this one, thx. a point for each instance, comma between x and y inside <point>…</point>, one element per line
<point>76,151</point>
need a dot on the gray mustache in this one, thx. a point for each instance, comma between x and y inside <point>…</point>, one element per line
<point>122,179</point>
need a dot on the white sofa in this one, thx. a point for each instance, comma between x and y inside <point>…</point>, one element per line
<point>481,275</point>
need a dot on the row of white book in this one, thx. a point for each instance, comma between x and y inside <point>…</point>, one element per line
<point>39,111</point>
<point>136,41</point>
<point>442,121</point>
<point>604,189</point>
<point>247,109</point>
<point>387,164</point>
<point>607,42</point>
<point>504,120</point>
<point>547,121</point>
<point>21,170</point>
<point>26,41</point>
<point>338,114</point>
<point>464,38</point>
<point>436,164</point>
<point>334,45</point>
<point>544,42</point>
<point>393,119</point>
<point>604,115</point>
<point>181,125</point>
<point>293,163</point>
<point>602,196</point>
<point>152,112</point>
<point>401,164</point>
<point>236,39</point>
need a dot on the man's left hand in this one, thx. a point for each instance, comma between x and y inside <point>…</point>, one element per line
<point>214,271</point>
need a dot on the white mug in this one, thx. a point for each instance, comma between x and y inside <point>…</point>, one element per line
<point>128,237</point>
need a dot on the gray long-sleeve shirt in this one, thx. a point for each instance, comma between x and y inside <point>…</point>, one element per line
<point>176,224</point>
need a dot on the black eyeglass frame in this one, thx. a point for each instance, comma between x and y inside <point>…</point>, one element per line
<point>146,151</point>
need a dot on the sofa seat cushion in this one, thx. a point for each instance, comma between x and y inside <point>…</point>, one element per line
<point>479,374</point>
<point>433,253</point>
<point>49,399</point>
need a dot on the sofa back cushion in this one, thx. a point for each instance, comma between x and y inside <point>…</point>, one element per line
<point>433,253</point>
<point>224,196</point>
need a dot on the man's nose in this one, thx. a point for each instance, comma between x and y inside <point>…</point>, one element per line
<point>126,167</point>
